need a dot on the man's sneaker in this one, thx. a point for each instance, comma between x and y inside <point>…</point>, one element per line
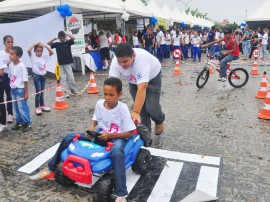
<point>38,111</point>
<point>26,128</point>
<point>223,79</point>
<point>3,128</point>
<point>159,129</point>
<point>67,96</point>
<point>9,118</point>
<point>45,108</point>
<point>120,199</point>
<point>16,127</point>
<point>43,174</point>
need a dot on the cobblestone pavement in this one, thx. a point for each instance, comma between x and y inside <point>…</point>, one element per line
<point>217,120</point>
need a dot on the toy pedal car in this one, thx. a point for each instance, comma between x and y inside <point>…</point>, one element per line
<point>83,158</point>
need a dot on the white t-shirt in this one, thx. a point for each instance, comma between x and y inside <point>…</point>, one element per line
<point>196,41</point>
<point>173,32</point>
<point>186,38</point>
<point>168,37</point>
<point>160,35</point>
<point>4,60</point>
<point>18,75</point>
<point>191,38</point>
<point>39,63</point>
<point>265,39</point>
<point>135,40</point>
<point>145,67</point>
<point>116,120</point>
<point>176,40</point>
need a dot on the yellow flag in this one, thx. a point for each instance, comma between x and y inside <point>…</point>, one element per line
<point>57,71</point>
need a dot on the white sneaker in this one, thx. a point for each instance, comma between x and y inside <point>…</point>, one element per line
<point>120,199</point>
<point>38,111</point>
<point>67,96</point>
<point>9,118</point>
<point>3,128</point>
<point>223,79</point>
<point>45,108</point>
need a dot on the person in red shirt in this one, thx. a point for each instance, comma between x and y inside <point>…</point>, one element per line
<point>231,53</point>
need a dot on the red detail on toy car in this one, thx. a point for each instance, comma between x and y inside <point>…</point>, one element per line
<point>82,174</point>
<point>109,146</point>
<point>77,136</point>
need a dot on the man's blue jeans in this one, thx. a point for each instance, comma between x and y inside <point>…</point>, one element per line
<point>224,62</point>
<point>149,48</point>
<point>117,155</point>
<point>39,82</point>
<point>246,47</point>
<point>21,107</point>
<point>151,108</point>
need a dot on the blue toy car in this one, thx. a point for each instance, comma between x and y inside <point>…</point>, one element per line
<point>83,158</point>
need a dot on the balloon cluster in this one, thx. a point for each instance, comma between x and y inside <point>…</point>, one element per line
<point>64,10</point>
<point>154,21</point>
<point>243,24</point>
<point>182,24</point>
<point>125,16</point>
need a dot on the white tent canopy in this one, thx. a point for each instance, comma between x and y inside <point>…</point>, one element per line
<point>261,14</point>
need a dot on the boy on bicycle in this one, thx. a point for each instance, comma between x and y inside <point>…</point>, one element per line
<point>231,53</point>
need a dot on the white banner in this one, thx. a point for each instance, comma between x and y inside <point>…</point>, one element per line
<point>75,28</point>
<point>25,33</point>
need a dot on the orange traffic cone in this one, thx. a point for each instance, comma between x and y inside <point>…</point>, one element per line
<point>60,102</point>
<point>93,86</point>
<point>177,68</point>
<point>263,87</point>
<point>211,71</point>
<point>265,112</point>
<point>254,69</point>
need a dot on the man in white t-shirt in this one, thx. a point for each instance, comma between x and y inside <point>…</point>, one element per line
<point>143,73</point>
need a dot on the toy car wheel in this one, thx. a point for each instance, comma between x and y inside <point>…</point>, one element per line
<point>105,188</point>
<point>142,161</point>
<point>61,179</point>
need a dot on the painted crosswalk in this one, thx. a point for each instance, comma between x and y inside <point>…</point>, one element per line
<point>172,176</point>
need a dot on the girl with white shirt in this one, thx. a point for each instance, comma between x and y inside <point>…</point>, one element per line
<point>168,45</point>
<point>160,44</point>
<point>39,60</point>
<point>264,43</point>
<point>135,40</point>
<point>4,71</point>
<point>176,40</point>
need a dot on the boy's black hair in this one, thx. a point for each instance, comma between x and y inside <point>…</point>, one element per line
<point>114,82</point>
<point>18,50</point>
<point>37,46</point>
<point>124,50</point>
<point>6,37</point>
<point>61,34</point>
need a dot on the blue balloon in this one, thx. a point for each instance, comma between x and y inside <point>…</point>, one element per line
<point>59,8</point>
<point>154,20</point>
<point>66,7</point>
<point>63,14</point>
<point>69,13</point>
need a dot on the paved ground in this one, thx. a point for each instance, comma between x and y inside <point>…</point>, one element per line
<point>217,120</point>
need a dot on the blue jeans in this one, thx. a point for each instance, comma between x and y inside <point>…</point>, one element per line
<point>168,51</point>
<point>196,51</point>
<point>8,94</point>
<point>264,51</point>
<point>160,53</point>
<point>216,48</point>
<point>192,50</point>
<point>39,82</point>
<point>117,155</point>
<point>246,47</point>
<point>151,108</point>
<point>21,107</point>
<point>224,62</point>
<point>186,50</point>
<point>149,48</point>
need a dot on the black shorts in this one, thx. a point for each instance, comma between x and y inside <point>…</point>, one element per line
<point>105,53</point>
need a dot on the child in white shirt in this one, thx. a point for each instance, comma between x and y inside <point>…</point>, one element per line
<point>19,89</point>
<point>135,40</point>
<point>115,122</point>
<point>39,60</point>
<point>264,43</point>
<point>196,41</point>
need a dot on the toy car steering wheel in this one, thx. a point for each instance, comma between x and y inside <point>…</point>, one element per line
<point>95,138</point>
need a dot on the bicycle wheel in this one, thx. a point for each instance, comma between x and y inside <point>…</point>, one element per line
<point>202,78</point>
<point>238,77</point>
